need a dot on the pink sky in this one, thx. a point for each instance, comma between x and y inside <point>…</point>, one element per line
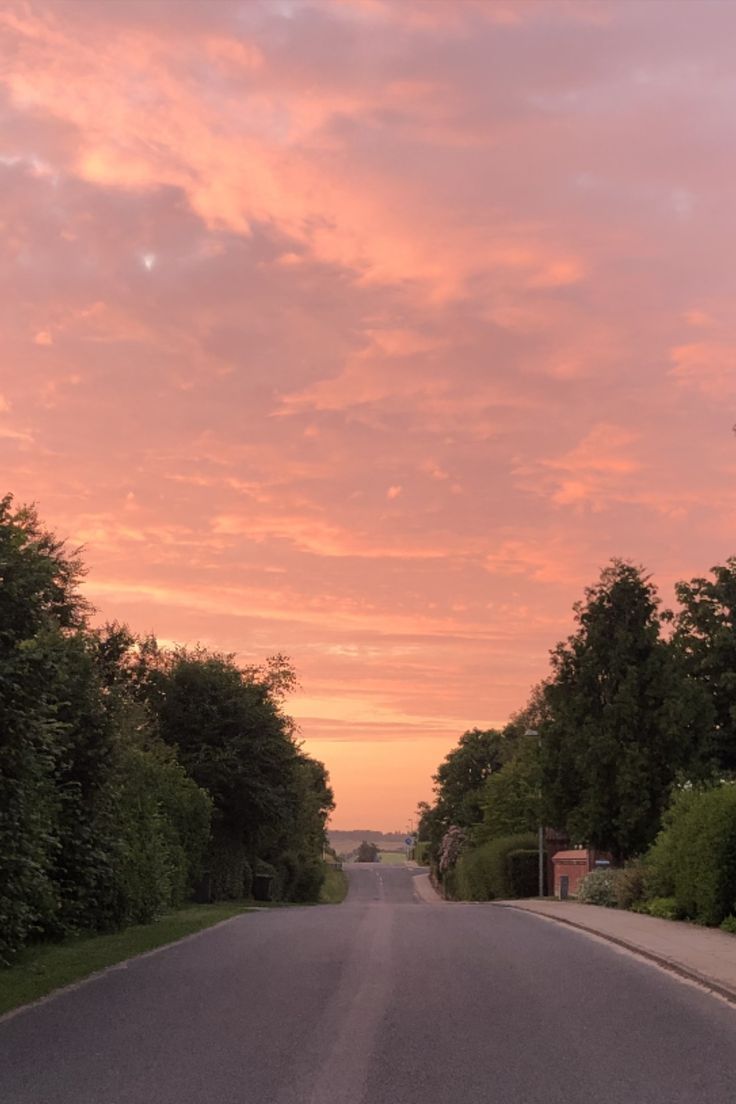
<point>368,331</point>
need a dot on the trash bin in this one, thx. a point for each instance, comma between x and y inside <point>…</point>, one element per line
<point>262,887</point>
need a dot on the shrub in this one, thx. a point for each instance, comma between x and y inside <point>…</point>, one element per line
<point>308,882</point>
<point>449,885</point>
<point>451,848</point>
<point>661,859</point>
<point>599,888</point>
<point>665,908</point>
<point>484,873</point>
<point>421,853</point>
<point>694,857</point>
<point>630,884</point>
<point>729,925</point>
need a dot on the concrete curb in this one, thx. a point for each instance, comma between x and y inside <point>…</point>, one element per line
<point>669,964</point>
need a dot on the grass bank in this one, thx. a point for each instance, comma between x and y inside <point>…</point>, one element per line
<point>393,858</point>
<point>334,888</point>
<point>39,970</point>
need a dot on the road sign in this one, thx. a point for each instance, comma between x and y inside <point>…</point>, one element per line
<point>409,841</point>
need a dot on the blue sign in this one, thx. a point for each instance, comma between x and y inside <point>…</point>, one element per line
<point>409,841</point>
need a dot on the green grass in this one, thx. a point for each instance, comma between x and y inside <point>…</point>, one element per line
<point>334,888</point>
<point>39,970</point>
<point>393,858</point>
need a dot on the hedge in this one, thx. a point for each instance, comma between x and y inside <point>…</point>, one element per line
<point>490,872</point>
<point>694,858</point>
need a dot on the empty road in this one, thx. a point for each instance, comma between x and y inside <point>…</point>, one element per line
<point>382,1000</point>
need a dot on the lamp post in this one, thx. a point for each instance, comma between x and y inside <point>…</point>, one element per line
<point>540,829</point>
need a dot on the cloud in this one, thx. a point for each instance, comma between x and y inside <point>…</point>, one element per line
<point>706,366</point>
<point>369,331</point>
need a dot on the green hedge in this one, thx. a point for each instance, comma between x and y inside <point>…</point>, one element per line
<point>421,853</point>
<point>694,858</point>
<point>489,872</point>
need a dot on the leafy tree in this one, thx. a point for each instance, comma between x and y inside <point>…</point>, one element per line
<point>232,738</point>
<point>705,644</point>
<point>511,795</point>
<point>231,733</point>
<point>39,607</point>
<point>367,852</point>
<point>620,727</point>
<point>460,778</point>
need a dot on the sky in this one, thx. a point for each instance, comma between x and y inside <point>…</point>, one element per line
<point>368,331</point>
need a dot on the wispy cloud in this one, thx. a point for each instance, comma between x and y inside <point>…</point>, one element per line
<point>368,331</point>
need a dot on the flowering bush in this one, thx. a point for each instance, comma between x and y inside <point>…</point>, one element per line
<point>451,847</point>
<point>599,888</point>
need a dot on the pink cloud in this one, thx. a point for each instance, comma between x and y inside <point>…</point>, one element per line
<point>369,331</point>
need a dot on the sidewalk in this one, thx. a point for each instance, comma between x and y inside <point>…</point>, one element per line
<point>705,955</point>
<point>424,888</point>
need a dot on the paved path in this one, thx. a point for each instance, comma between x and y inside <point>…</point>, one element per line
<point>383,1000</point>
<point>703,954</point>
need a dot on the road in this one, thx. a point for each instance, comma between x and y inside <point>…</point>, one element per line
<point>382,1000</point>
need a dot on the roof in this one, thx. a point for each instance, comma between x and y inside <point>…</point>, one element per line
<point>570,856</point>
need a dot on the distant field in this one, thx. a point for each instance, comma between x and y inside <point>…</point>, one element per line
<point>345,842</point>
<point>393,858</point>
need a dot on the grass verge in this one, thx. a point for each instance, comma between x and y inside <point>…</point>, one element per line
<point>39,970</point>
<point>393,858</point>
<point>334,887</point>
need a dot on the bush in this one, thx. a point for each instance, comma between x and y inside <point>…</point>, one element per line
<point>664,908</point>
<point>421,853</point>
<point>694,857</point>
<point>308,882</point>
<point>484,874</point>
<point>630,885</point>
<point>449,883</point>
<point>599,888</point>
<point>729,925</point>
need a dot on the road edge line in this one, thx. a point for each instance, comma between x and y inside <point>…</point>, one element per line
<point>668,964</point>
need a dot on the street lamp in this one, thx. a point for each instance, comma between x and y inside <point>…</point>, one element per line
<point>540,843</point>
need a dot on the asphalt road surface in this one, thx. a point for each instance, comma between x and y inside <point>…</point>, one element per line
<point>382,1000</point>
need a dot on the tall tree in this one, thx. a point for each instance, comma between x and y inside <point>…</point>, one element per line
<point>40,609</point>
<point>459,779</point>
<point>619,727</point>
<point>511,795</point>
<point>705,644</point>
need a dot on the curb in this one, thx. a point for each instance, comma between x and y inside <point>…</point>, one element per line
<point>662,961</point>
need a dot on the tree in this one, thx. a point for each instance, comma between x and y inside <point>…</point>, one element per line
<point>40,608</point>
<point>271,800</point>
<point>705,644</point>
<point>459,779</point>
<point>367,852</point>
<point>618,732</point>
<point>511,795</point>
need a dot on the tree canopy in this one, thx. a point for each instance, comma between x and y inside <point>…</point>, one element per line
<point>128,771</point>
